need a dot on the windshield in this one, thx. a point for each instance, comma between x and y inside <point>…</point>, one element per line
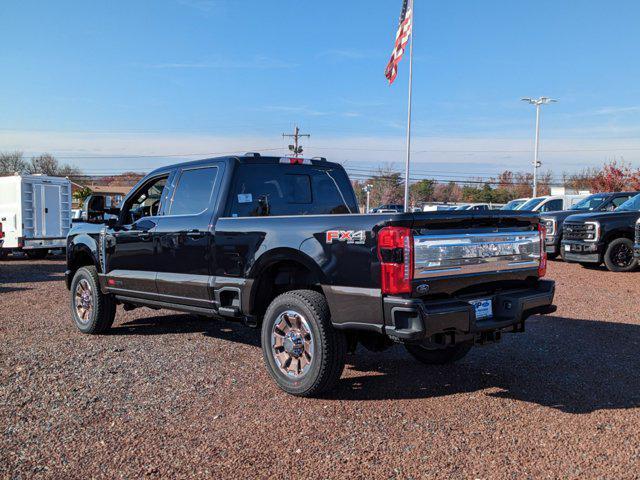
<point>513,204</point>
<point>592,202</point>
<point>463,207</point>
<point>531,204</point>
<point>631,205</point>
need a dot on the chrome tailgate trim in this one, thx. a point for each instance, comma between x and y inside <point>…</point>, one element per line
<point>457,254</point>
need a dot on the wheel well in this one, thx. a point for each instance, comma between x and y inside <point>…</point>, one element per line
<point>279,278</point>
<point>81,258</point>
<point>618,234</point>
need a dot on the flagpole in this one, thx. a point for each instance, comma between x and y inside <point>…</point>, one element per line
<point>408,158</point>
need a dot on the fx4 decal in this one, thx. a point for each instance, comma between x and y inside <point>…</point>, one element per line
<point>348,236</point>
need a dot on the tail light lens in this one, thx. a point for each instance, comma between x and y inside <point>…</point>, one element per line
<point>395,251</point>
<point>542,268</point>
<point>1,231</point>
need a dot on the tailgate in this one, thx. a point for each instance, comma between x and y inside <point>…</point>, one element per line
<point>483,246</point>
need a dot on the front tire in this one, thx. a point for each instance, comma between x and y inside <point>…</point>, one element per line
<point>619,256</point>
<point>303,353</point>
<point>439,356</point>
<point>93,311</point>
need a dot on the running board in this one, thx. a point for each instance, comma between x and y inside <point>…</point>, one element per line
<point>143,302</point>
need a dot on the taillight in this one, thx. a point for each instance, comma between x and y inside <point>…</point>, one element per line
<point>542,268</point>
<point>1,231</point>
<point>395,251</point>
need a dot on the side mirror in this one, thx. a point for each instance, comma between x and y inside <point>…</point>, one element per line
<point>112,222</point>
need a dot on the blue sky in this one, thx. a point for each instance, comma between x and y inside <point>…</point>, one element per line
<point>205,76</point>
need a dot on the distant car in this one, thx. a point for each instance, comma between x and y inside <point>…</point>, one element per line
<point>598,202</point>
<point>474,207</point>
<point>390,207</point>
<point>514,204</point>
<point>437,208</point>
<point>551,203</point>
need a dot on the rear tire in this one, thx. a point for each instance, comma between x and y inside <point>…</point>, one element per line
<point>439,356</point>
<point>619,256</point>
<point>4,253</point>
<point>302,350</point>
<point>93,312</point>
<point>37,254</point>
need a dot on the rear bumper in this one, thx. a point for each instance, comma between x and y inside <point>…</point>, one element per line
<point>414,320</point>
<point>582,252</point>
<point>37,243</point>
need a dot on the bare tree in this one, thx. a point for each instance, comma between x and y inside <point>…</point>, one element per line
<point>11,163</point>
<point>47,164</point>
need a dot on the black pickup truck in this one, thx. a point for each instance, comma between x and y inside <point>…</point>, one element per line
<point>593,238</point>
<point>598,202</point>
<point>279,242</point>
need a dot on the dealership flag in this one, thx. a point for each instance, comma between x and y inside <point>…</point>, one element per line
<point>402,37</point>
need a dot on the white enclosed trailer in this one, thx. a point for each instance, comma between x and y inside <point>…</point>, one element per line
<point>35,211</point>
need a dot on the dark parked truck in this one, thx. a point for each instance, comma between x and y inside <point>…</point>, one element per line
<point>278,243</point>
<point>593,238</point>
<point>598,202</point>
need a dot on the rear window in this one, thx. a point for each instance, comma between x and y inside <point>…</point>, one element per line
<point>267,190</point>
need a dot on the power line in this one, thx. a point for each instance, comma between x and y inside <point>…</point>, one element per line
<point>171,155</point>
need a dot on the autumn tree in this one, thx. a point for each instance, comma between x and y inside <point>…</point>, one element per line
<point>387,187</point>
<point>613,177</point>
<point>421,191</point>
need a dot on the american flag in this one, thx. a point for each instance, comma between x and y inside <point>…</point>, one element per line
<point>402,37</point>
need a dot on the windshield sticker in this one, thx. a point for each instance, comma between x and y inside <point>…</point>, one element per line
<point>245,198</point>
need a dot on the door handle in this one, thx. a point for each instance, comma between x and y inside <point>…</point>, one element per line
<point>144,235</point>
<point>195,234</point>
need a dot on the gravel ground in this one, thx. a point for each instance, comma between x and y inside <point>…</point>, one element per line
<point>169,395</point>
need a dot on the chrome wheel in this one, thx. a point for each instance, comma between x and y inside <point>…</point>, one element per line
<point>84,301</point>
<point>292,344</point>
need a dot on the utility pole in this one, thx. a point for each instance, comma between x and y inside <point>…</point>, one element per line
<point>536,149</point>
<point>367,189</point>
<point>296,149</point>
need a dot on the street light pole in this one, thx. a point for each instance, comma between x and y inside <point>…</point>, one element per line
<point>367,189</point>
<point>536,149</point>
<point>536,153</point>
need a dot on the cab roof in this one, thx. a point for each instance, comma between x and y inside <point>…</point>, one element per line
<point>253,158</point>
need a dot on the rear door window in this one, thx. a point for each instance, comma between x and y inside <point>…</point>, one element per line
<point>268,190</point>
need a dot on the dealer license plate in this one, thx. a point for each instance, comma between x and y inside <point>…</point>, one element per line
<point>483,308</point>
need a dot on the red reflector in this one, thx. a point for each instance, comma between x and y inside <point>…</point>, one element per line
<point>396,272</point>
<point>111,282</point>
<point>542,268</point>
